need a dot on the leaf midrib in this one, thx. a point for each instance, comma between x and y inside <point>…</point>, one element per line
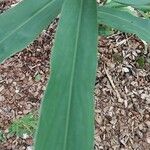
<point>125,21</point>
<point>28,20</point>
<point>72,75</point>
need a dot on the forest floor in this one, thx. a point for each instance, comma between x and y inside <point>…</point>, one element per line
<point>122,92</point>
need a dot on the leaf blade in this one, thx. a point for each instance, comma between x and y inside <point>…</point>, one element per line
<point>19,27</point>
<point>125,22</point>
<point>141,5</point>
<point>75,76</point>
<point>133,2</point>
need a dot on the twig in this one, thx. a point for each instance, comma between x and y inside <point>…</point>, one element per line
<point>113,85</point>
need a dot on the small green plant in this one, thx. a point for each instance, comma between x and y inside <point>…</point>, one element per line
<point>2,136</point>
<point>67,111</point>
<point>141,61</point>
<point>37,77</point>
<point>24,125</point>
<point>105,30</point>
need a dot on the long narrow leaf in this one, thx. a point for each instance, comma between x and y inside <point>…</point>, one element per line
<point>143,5</point>
<point>113,4</point>
<point>22,24</point>
<point>67,120</point>
<point>133,2</point>
<point>125,22</point>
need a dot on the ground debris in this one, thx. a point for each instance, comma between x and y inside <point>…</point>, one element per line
<point>121,124</point>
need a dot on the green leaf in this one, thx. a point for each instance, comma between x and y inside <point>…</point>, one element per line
<point>138,4</point>
<point>141,61</point>
<point>125,22</point>
<point>133,2</point>
<point>104,30</point>
<point>26,124</point>
<point>113,4</point>
<point>67,118</point>
<point>2,136</point>
<point>22,24</point>
<point>37,77</point>
<point>143,7</point>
